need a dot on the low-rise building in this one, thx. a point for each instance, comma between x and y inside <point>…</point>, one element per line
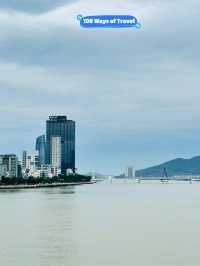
<point>46,171</point>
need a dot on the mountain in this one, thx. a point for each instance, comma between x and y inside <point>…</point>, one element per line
<point>177,167</point>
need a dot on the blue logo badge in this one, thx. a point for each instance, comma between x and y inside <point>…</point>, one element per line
<point>109,21</point>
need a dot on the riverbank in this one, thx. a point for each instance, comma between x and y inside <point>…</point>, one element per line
<point>36,186</point>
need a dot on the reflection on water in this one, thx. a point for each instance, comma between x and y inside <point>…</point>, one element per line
<point>56,190</point>
<point>60,190</point>
<point>103,224</point>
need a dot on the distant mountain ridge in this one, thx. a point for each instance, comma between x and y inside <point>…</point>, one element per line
<point>176,167</point>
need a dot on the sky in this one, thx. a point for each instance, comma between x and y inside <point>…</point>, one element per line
<point>134,94</point>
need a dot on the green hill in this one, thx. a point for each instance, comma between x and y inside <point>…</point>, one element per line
<point>175,167</point>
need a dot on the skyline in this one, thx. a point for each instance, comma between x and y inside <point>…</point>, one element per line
<point>41,138</point>
<point>134,103</point>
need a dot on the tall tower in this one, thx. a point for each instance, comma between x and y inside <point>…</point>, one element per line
<point>129,172</point>
<point>60,126</point>
<point>40,147</point>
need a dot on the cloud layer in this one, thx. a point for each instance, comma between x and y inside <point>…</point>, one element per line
<point>134,94</point>
<point>33,6</point>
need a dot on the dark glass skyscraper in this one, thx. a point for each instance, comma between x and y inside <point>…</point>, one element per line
<point>41,148</point>
<point>60,126</point>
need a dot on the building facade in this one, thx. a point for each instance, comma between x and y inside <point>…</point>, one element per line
<point>46,171</point>
<point>40,146</point>
<point>30,163</point>
<point>9,165</point>
<point>24,154</point>
<point>56,151</point>
<point>129,172</point>
<point>60,126</point>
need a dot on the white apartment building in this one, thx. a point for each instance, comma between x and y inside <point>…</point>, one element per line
<point>56,152</point>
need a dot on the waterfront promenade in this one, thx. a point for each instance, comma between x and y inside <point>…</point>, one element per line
<point>36,186</point>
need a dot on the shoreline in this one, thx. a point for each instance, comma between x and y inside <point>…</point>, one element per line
<point>37,186</point>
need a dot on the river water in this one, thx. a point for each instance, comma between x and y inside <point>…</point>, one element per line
<point>106,224</point>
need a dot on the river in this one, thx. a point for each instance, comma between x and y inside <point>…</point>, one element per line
<point>105,224</point>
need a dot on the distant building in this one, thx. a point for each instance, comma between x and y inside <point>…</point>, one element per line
<point>8,165</point>
<point>24,155</point>
<point>56,151</point>
<point>60,126</point>
<point>129,172</point>
<point>40,146</point>
<point>46,171</point>
<point>30,162</point>
<point>19,169</point>
<point>3,170</point>
<point>32,167</point>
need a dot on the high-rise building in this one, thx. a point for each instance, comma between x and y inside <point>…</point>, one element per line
<point>56,151</point>
<point>60,126</point>
<point>129,172</point>
<point>40,147</point>
<point>9,165</point>
<point>24,156</point>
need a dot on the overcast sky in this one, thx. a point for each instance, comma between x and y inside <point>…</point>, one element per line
<point>135,94</point>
